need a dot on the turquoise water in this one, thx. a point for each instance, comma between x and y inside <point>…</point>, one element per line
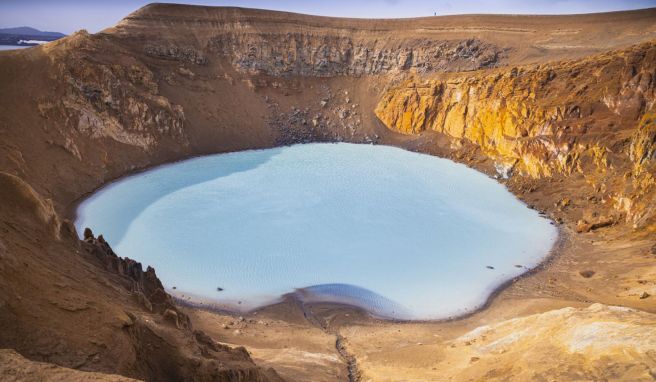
<point>402,234</point>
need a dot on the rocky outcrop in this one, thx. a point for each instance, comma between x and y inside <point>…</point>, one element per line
<point>175,53</point>
<point>637,198</point>
<point>546,120</point>
<point>643,142</point>
<point>306,48</point>
<point>281,43</point>
<point>108,313</point>
<point>306,54</point>
<point>531,117</point>
<point>145,286</point>
<point>200,358</point>
<point>109,100</point>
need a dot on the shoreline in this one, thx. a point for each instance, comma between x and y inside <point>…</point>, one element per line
<point>70,210</point>
<point>214,305</point>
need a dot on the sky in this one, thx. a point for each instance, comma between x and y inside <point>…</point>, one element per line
<point>67,16</point>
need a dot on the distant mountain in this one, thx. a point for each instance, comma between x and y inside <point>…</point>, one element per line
<point>29,31</point>
<point>26,36</point>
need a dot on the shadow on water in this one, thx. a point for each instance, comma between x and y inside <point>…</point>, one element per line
<point>355,296</point>
<point>127,198</point>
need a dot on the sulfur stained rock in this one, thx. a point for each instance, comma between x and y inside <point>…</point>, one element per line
<point>560,119</point>
<point>643,142</point>
<point>522,118</point>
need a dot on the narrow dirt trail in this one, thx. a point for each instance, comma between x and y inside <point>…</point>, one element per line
<point>348,358</point>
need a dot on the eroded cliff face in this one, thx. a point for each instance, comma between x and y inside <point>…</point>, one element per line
<point>592,116</point>
<point>286,44</point>
<point>296,45</point>
<point>325,56</point>
<point>120,101</point>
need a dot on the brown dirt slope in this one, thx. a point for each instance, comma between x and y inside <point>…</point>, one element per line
<point>14,368</point>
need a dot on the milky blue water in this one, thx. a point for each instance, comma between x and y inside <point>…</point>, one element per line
<point>402,234</point>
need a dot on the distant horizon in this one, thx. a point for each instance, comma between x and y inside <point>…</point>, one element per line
<point>68,16</point>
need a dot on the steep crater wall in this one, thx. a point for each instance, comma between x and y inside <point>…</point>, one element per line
<point>589,116</point>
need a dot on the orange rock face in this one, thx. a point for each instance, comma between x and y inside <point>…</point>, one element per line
<point>533,116</point>
<point>585,116</point>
